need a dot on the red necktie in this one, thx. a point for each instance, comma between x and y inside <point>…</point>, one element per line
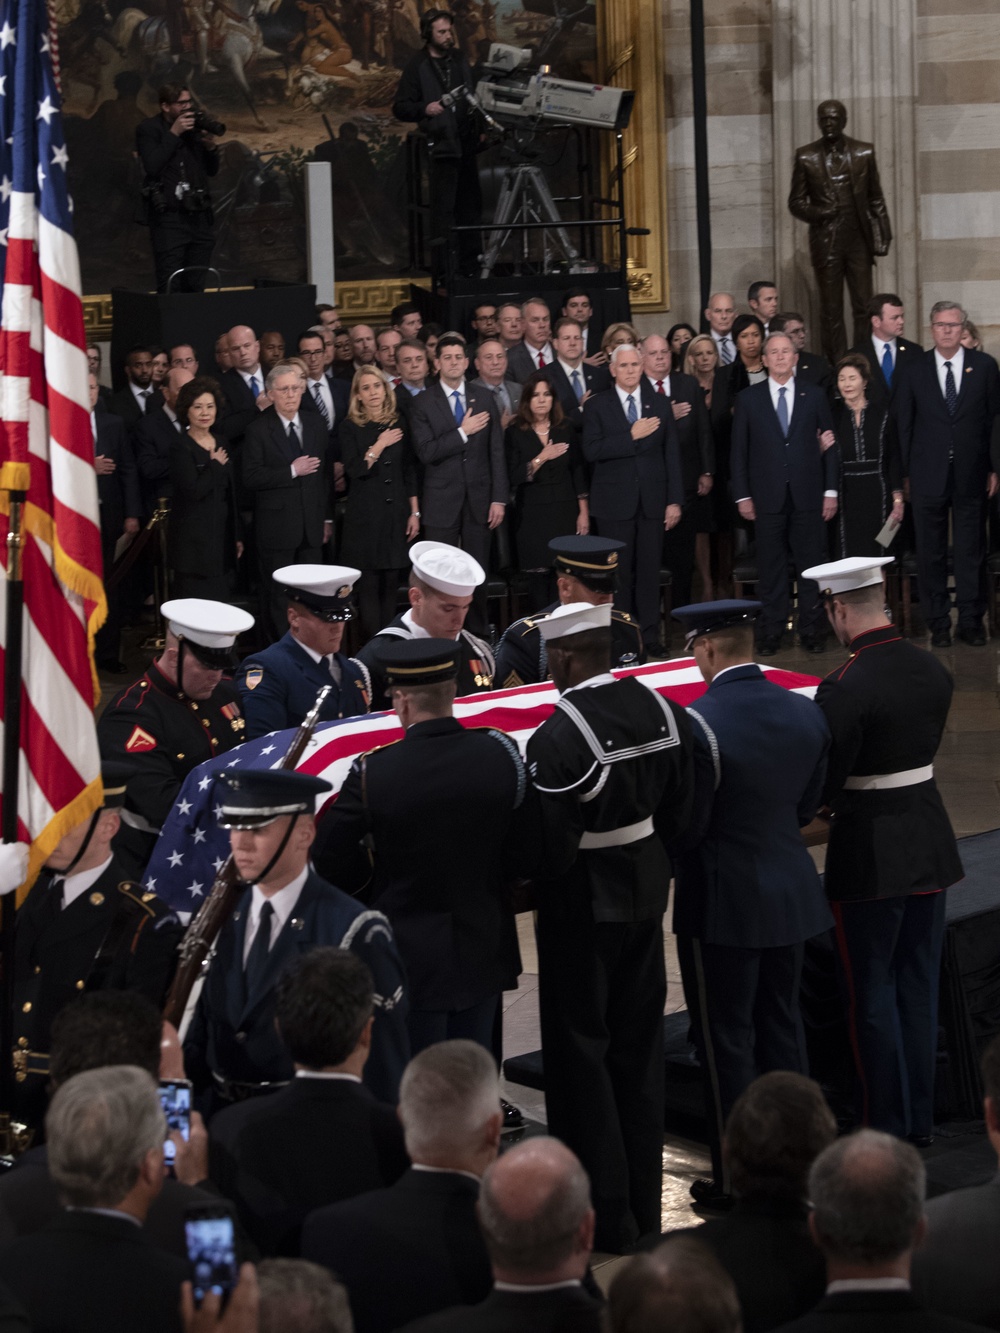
<point>541,361</point>
<point>659,386</point>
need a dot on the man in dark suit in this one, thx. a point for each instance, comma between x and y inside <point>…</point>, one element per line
<point>538,1189</point>
<point>324,1137</point>
<point>697,450</point>
<point>784,470</point>
<point>449,1105</point>
<point>571,377</point>
<point>810,367</point>
<point>152,437</point>
<point>329,396</point>
<point>888,353</point>
<point>637,488</point>
<point>946,404</point>
<point>93,1268</point>
<point>120,506</point>
<point>232,1048</point>
<point>535,351</point>
<point>458,439</point>
<point>285,469</point>
<point>138,395</point>
<point>748,895</point>
<point>953,1271</point>
<point>491,373</point>
<point>242,384</point>
<point>867,1194</point>
<point>578,305</point>
<point>444,816</point>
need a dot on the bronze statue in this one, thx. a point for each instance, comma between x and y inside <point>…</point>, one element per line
<point>836,189</point>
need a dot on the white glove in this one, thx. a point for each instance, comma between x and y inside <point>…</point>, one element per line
<point>13,866</point>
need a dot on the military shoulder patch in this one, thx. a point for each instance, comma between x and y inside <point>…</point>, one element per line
<point>140,741</point>
<point>253,677</point>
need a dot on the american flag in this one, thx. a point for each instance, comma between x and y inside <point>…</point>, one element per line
<point>46,445</point>
<point>192,849</point>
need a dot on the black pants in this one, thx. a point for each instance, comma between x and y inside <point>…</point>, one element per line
<point>848,262</point>
<point>455,200</point>
<point>745,1021</point>
<point>474,537</point>
<point>602,989</point>
<point>798,535</point>
<point>107,644</point>
<point>638,571</point>
<point>678,553</point>
<point>930,524</point>
<point>377,590</point>
<point>181,240</point>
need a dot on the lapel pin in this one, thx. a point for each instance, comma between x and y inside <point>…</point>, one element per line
<point>237,915</point>
<point>968,370</point>
<point>297,923</point>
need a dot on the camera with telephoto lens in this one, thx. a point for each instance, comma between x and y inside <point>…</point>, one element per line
<point>208,124</point>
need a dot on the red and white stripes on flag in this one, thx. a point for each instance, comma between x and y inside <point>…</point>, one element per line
<point>46,444</point>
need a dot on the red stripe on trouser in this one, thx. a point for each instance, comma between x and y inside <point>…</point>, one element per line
<point>852,1008</point>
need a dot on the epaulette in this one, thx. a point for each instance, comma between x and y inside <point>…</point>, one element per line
<point>528,624</point>
<point>623,616</point>
<point>140,897</point>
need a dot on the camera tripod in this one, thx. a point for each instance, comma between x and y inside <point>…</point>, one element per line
<point>525,197</point>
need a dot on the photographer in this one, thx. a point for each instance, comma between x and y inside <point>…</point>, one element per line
<point>178,154</point>
<point>453,134</point>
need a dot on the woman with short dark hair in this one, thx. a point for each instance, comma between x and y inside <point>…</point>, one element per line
<point>203,533</point>
<point>871,473</point>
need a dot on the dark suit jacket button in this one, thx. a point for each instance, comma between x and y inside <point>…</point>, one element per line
<point>241,1036</point>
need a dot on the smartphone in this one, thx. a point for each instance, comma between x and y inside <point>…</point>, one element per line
<point>175,1098</point>
<point>211,1248</point>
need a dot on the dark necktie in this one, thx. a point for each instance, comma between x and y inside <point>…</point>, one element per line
<point>318,395</point>
<point>631,411</point>
<point>541,361</point>
<point>783,412</point>
<point>950,394</point>
<point>259,950</point>
<point>503,402</point>
<point>144,395</point>
<point>660,388</point>
<point>255,387</point>
<point>577,384</point>
<point>294,443</point>
<point>887,365</point>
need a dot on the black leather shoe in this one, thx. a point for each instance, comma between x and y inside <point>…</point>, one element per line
<point>707,1194</point>
<point>112,666</point>
<point>941,638</point>
<point>768,647</point>
<point>920,1140</point>
<point>813,644</point>
<point>513,1117</point>
<point>974,636</point>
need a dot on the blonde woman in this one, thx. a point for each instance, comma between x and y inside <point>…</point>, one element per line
<point>382,512</point>
<point>617,335</point>
<point>717,513</point>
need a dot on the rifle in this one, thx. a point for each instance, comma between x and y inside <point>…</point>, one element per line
<point>196,947</point>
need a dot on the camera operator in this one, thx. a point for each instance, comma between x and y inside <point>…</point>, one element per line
<point>453,134</point>
<point>178,154</point>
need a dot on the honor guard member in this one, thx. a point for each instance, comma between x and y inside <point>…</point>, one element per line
<point>892,849</point>
<point>278,686</point>
<point>443,814</point>
<point>84,926</point>
<point>612,767</point>
<point>586,571</point>
<point>747,893</point>
<point>232,1050</point>
<point>180,713</point>
<point>442,581</point>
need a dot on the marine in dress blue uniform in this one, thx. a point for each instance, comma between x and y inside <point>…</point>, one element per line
<point>747,895</point>
<point>232,1049</point>
<point>586,571</point>
<point>892,849</point>
<point>279,685</point>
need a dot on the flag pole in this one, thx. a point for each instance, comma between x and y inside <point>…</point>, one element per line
<point>11,771</point>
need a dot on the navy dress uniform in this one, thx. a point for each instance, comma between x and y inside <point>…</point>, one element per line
<point>445,814</point>
<point>892,853</point>
<point>747,895</point>
<point>584,566</point>
<point>232,1049</point>
<point>612,767</point>
<point>161,733</point>
<point>453,572</point>
<point>81,931</point>
<point>279,685</point>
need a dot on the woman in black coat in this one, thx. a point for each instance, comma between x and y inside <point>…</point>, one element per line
<point>382,511</point>
<point>203,533</point>
<point>548,478</point>
<point>871,474</point>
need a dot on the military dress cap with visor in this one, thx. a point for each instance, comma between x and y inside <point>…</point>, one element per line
<point>323,590</point>
<point>208,629</point>
<point>856,571</point>
<point>446,568</point>
<point>420,662</point>
<point>257,797</point>
<point>574,618</point>
<point>705,617</point>
<point>592,560</point>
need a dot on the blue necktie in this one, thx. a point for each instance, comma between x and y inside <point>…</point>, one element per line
<point>950,395</point>
<point>577,384</point>
<point>887,364</point>
<point>783,413</point>
<point>630,411</point>
<point>457,401</point>
<point>255,387</point>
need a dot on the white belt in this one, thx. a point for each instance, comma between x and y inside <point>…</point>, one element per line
<point>908,777</point>
<point>137,821</point>
<point>618,837</point>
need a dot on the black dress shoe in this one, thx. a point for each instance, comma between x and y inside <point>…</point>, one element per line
<point>707,1194</point>
<point>513,1117</point>
<point>112,666</point>
<point>974,636</point>
<point>920,1140</point>
<point>768,647</point>
<point>813,643</point>
<point>941,638</point>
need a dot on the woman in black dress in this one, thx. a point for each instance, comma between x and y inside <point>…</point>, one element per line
<point>382,512</point>
<point>203,533</point>
<point>714,542</point>
<point>871,475</point>
<point>548,479</point>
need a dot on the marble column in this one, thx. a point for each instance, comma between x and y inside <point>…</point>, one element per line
<point>863,54</point>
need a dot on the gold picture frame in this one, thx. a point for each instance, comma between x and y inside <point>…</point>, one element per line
<point>629,55</point>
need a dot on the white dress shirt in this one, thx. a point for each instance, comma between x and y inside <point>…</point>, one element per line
<point>867,1284</point>
<point>248,375</point>
<point>141,396</point>
<point>283,902</point>
<point>73,886</point>
<point>957,363</point>
<point>545,351</point>
<point>327,1074</point>
<point>880,344</point>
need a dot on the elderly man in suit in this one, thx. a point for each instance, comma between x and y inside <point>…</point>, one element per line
<point>888,353</point>
<point>637,490</point>
<point>457,436</point>
<point>836,189</point>
<point>118,494</point>
<point>491,365</point>
<point>946,406</point>
<point>784,478</point>
<point>284,468</point>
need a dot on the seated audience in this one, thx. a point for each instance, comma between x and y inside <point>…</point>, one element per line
<point>323,1137</point>
<point>538,1223</point>
<point>93,1269</point>
<point>677,1288</point>
<point>424,1226</point>
<point>955,1270</point>
<point>867,1194</point>
<point>299,1297</point>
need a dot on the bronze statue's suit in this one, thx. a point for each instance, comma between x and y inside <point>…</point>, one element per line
<point>847,229</point>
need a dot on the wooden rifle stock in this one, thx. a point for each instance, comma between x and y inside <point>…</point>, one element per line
<point>203,930</point>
